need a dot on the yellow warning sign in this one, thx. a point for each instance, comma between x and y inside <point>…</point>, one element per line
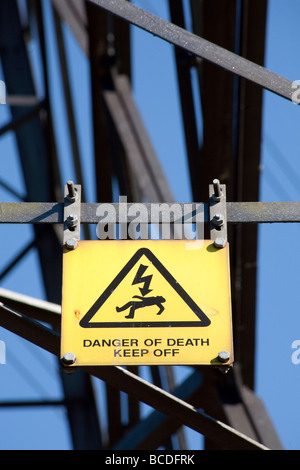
<point>146,302</point>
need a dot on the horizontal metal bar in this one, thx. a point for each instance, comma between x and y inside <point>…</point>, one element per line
<point>263,212</point>
<point>92,213</point>
<point>131,384</point>
<point>198,46</point>
<point>31,213</point>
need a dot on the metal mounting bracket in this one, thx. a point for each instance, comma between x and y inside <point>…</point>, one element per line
<point>217,213</point>
<point>72,214</point>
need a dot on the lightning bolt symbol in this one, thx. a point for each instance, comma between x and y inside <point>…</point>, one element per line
<point>140,279</point>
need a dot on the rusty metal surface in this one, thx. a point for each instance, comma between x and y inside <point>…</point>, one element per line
<point>198,46</point>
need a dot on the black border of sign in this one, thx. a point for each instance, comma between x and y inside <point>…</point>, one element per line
<point>85,322</point>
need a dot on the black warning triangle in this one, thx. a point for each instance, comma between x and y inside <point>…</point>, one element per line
<point>86,321</point>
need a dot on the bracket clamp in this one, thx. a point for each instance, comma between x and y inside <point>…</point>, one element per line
<point>72,213</point>
<point>218,213</point>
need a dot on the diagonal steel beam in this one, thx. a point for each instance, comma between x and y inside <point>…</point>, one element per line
<point>131,384</point>
<point>73,13</point>
<point>142,160</point>
<point>199,46</point>
<point>36,309</point>
<point>185,87</point>
<point>157,428</point>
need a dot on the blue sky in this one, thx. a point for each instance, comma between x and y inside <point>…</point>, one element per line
<point>277,377</point>
<point>29,372</point>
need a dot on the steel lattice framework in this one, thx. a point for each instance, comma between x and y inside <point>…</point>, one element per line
<point>222,407</point>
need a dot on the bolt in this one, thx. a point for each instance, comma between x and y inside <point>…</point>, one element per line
<point>71,244</point>
<point>72,195</point>
<point>69,358</point>
<point>72,221</point>
<point>218,220</point>
<point>217,189</point>
<point>223,356</point>
<point>220,242</point>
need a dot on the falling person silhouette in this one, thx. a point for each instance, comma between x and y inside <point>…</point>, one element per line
<point>143,302</point>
